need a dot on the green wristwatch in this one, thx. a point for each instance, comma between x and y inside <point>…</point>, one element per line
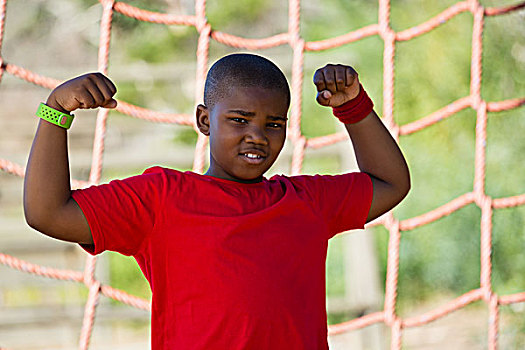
<point>53,116</point>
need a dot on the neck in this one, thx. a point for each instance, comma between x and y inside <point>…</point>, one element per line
<point>234,179</point>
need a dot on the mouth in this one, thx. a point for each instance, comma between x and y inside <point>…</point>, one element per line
<point>253,157</point>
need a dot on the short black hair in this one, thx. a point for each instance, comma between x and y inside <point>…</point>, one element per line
<point>242,70</point>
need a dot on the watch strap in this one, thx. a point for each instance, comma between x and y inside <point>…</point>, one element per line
<point>53,116</point>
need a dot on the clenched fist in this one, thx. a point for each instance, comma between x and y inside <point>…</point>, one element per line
<point>336,84</point>
<point>91,90</point>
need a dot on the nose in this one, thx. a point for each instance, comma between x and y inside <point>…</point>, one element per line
<point>256,135</point>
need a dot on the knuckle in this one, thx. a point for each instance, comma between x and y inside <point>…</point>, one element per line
<point>94,77</point>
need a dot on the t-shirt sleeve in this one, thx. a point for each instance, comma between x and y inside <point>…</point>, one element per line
<point>343,201</point>
<point>122,213</point>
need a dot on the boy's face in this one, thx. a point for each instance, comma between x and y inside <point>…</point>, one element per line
<point>247,130</point>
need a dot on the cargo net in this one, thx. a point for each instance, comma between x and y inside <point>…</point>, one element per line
<point>293,38</point>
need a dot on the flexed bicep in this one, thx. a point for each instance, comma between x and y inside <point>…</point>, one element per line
<point>385,197</point>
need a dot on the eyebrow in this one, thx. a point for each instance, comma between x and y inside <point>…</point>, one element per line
<point>278,117</point>
<point>252,114</point>
<point>241,112</point>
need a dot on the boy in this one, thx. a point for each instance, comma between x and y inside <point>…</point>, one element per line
<point>234,260</point>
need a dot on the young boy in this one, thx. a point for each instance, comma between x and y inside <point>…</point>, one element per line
<point>234,260</point>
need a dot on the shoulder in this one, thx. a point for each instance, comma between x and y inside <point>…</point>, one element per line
<point>326,188</point>
<point>155,179</point>
<point>163,174</point>
<point>159,170</point>
<point>317,179</point>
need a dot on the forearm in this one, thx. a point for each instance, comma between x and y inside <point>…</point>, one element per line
<point>47,180</point>
<point>378,154</point>
<point>376,151</point>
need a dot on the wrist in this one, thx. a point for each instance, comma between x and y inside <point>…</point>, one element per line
<point>356,109</point>
<point>53,115</point>
<point>52,102</point>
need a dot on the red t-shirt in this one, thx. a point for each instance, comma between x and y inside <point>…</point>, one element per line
<point>230,265</point>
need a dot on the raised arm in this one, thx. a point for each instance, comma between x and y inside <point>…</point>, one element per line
<point>48,205</point>
<point>376,151</point>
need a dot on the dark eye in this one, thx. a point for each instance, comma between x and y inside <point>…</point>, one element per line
<point>275,125</point>
<point>239,120</point>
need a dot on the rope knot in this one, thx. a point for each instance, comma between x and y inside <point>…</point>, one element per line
<point>482,200</point>
<point>107,3</point>
<point>296,42</point>
<point>202,25</point>
<point>474,6</point>
<point>387,33</point>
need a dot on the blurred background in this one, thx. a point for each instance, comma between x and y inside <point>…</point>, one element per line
<point>153,66</point>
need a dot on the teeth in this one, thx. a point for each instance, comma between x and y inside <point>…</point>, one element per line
<point>253,156</point>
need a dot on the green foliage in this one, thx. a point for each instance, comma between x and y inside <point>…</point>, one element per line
<point>125,274</point>
<point>149,42</point>
<point>443,256</point>
<point>231,13</point>
<point>508,247</point>
<point>186,136</point>
<point>152,44</point>
<point>318,22</point>
<point>512,327</point>
<point>335,285</point>
<point>130,24</point>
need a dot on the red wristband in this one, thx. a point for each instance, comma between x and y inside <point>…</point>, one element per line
<point>356,109</point>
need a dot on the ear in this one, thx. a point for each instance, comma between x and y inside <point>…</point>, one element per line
<point>203,119</point>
